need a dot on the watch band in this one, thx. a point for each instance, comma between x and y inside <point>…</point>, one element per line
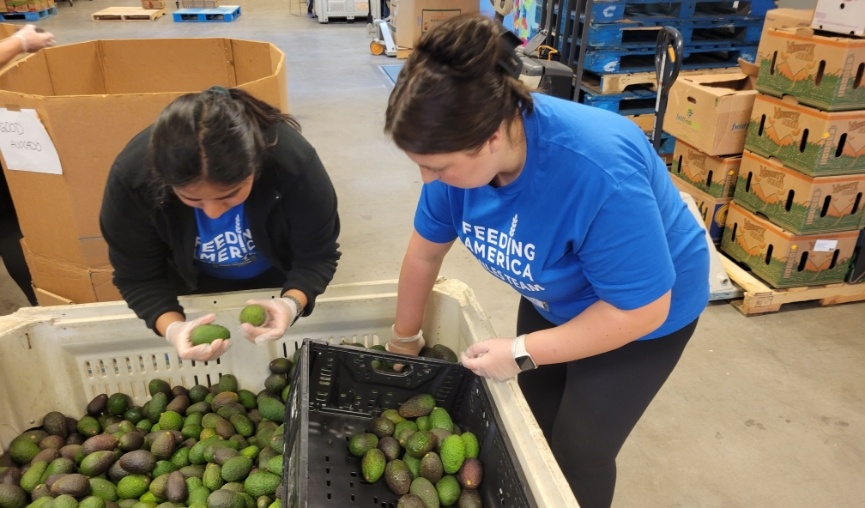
<point>521,355</point>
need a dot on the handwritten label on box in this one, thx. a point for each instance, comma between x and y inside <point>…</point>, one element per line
<point>25,144</point>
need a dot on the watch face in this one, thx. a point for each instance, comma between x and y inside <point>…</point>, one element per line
<point>525,363</point>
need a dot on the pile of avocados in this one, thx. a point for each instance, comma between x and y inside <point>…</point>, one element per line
<point>422,456</point>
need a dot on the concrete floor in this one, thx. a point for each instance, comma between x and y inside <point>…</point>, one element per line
<point>766,411</point>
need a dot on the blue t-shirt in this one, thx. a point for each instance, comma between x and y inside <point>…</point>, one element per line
<point>593,215</point>
<point>224,247</point>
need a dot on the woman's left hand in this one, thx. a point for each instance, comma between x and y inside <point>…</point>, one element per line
<point>493,358</point>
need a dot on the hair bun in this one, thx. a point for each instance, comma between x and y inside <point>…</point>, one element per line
<point>464,46</point>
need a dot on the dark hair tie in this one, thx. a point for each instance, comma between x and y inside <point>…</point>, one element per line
<point>219,90</point>
<point>510,63</point>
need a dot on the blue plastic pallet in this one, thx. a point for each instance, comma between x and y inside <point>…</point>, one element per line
<point>617,10</point>
<point>607,61</point>
<point>28,16</point>
<point>222,14</point>
<point>717,33</point>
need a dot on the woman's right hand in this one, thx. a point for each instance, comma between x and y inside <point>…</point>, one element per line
<point>177,334</point>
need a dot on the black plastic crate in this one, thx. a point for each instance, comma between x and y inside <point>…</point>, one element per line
<point>336,392</point>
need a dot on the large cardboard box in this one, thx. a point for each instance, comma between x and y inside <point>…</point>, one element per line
<point>92,98</point>
<point>815,142</point>
<point>819,70</point>
<point>59,283</point>
<point>715,175</point>
<point>783,259</point>
<point>841,16</point>
<point>710,112</point>
<point>713,210</point>
<point>414,18</point>
<point>786,18</point>
<point>856,274</point>
<point>800,203</point>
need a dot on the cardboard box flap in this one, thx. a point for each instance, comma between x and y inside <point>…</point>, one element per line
<point>76,69</point>
<point>722,85</point>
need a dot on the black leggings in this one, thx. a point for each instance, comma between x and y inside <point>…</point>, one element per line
<point>587,408</point>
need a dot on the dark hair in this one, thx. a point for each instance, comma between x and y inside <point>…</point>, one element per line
<point>217,135</point>
<point>456,88</point>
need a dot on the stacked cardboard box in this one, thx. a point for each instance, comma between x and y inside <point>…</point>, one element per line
<point>26,5</point>
<point>91,98</point>
<point>153,4</point>
<point>799,201</point>
<point>198,4</point>
<point>708,115</point>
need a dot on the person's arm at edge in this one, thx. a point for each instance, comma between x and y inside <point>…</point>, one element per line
<point>420,268</point>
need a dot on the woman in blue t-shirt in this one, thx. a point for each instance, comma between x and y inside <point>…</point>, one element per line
<point>221,193</point>
<point>571,207</point>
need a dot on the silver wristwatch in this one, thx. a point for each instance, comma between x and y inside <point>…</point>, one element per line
<point>521,356</point>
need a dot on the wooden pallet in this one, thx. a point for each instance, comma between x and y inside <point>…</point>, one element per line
<point>618,83</point>
<point>128,14</point>
<point>761,298</point>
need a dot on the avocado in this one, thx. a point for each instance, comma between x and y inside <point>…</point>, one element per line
<point>198,495</point>
<point>92,502</point>
<point>197,393</point>
<point>205,334</point>
<point>413,465</point>
<point>441,435</point>
<point>381,427</point>
<point>162,467</point>
<point>12,496</point>
<point>392,415</point>
<point>372,465</point>
<point>271,409</point>
<point>440,419</point>
<point>473,448</point>
<point>102,488</point>
<point>158,486</point>
<point>431,467</point>
<point>410,501</point>
<point>54,424</point>
<point>227,382</point>
<point>223,455</point>
<point>117,404</point>
<point>98,443</point>
<point>246,399</point>
<point>423,423</point>
<point>212,478</point>
<point>97,404</point>
<point>138,461</point>
<point>116,472</point>
<point>442,352</point>
<point>390,447</point>
<point>224,428</point>
<point>471,473</point>
<point>469,499</point>
<point>236,469</point>
<point>398,477</point>
<point>224,498</point>
<point>134,415</point>
<point>75,485</point>
<point>419,405</point>
<point>154,407</point>
<point>359,444</point>
<point>453,453</point>
<point>242,424</point>
<point>97,462</point>
<point>176,491</point>
<point>179,404</point>
<point>64,501</point>
<point>448,490</point>
<point>157,385</point>
<point>253,314</point>
<point>22,450</point>
<point>419,443</point>
<point>424,489</point>
<point>275,383</point>
<point>280,366</point>
<point>163,445</point>
<point>46,455</point>
<point>262,483</point>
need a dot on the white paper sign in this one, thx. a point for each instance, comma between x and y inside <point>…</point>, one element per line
<point>25,144</point>
<point>825,245</point>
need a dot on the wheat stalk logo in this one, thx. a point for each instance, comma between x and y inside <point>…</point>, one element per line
<point>514,225</point>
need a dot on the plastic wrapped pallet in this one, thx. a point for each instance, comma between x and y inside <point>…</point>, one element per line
<point>58,358</point>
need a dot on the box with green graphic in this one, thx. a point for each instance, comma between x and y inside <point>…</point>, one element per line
<point>713,210</point>
<point>781,258</point>
<point>815,142</point>
<point>713,174</point>
<point>818,69</point>
<point>800,203</point>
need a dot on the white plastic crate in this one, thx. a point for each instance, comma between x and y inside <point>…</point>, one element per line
<point>59,358</point>
<point>343,9</point>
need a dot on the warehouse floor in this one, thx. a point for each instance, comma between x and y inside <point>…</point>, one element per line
<point>764,411</point>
